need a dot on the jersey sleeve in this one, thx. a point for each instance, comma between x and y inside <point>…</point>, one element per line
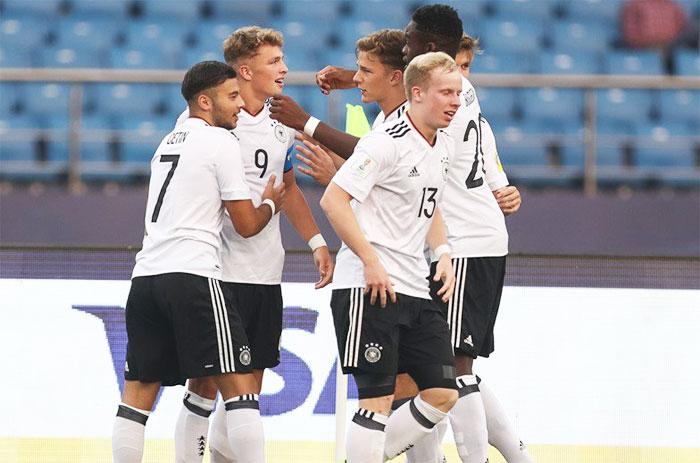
<point>230,174</point>
<point>495,175</point>
<point>369,164</point>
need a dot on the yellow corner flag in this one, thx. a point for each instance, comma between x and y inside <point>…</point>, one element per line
<point>356,123</point>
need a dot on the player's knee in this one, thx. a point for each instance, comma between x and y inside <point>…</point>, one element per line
<point>441,398</point>
<point>204,387</point>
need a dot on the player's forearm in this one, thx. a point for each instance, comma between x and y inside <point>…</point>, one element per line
<point>336,205</point>
<point>341,143</point>
<point>437,233</point>
<point>299,213</point>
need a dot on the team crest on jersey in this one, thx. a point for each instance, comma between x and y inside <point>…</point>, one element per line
<point>373,352</point>
<point>445,167</point>
<point>469,96</point>
<point>244,356</point>
<point>280,133</point>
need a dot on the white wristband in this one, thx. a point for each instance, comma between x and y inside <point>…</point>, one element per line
<point>270,203</point>
<point>317,241</point>
<point>442,249</point>
<point>310,126</point>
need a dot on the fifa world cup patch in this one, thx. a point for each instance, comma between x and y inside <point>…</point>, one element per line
<point>445,167</point>
<point>373,352</point>
<point>364,166</point>
<point>244,355</point>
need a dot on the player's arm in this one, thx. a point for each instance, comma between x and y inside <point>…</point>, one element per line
<point>249,220</point>
<point>437,241</point>
<point>507,196</point>
<point>336,205</point>
<point>299,214</point>
<point>288,112</point>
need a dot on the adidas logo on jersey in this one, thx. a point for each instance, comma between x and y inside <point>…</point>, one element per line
<point>413,173</point>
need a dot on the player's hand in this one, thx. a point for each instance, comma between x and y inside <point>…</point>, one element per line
<point>334,78</point>
<point>319,164</point>
<point>378,284</point>
<point>324,263</point>
<point>284,109</point>
<point>445,272</point>
<point>275,193</point>
<point>508,199</point>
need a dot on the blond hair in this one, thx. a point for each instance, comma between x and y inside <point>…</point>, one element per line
<point>244,42</point>
<point>420,68</point>
<point>387,45</point>
<point>469,44</point>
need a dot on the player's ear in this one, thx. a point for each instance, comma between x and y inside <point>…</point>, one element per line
<point>245,72</point>
<point>416,94</point>
<point>431,47</point>
<point>396,77</point>
<point>204,102</point>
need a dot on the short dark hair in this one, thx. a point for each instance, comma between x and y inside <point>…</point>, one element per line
<point>441,24</point>
<point>203,76</point>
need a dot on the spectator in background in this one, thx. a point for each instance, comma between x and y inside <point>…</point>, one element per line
<point>652,23</point>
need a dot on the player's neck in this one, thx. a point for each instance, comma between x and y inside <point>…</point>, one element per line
<point>426,131</point>
<point>201,115</point>
<point>254,102</point>
<point>393,100</point>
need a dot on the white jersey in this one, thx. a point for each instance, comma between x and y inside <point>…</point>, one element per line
<point>393,115</point>
<point>397,179</point>
<point>195,167</point>
<point>266,147</point>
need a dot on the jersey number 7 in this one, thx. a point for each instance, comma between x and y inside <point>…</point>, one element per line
<point>174,159</point>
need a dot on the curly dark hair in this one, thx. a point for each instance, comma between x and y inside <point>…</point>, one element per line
<point>441,25</point>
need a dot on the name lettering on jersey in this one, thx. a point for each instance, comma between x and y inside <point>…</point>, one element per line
<point>399,130</point>
<point>362,168</point>
<point>280,133</point>
<point>469,96</point>
<point>177,137</point>
<point>414,172</point>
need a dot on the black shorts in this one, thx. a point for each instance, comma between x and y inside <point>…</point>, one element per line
<point>402,337</point>
<point>472,310</point>
<point>260,308</point>
<point>182,326</point>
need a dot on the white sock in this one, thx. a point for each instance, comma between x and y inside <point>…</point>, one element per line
<point>219,447</point>
<point>365,439</point>
<point>128,434</point>
<point>191,428</point>
<point>468,421</point>
<point>244,429</point>
<point>501,433</point>
<point>429,448</point>
<point>409,423</point>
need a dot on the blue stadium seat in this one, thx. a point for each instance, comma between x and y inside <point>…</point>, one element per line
<point>574,63</point>
<point>612,138</point>
<point>87,34</point>
<point>172,101</point>
<point>14,57</point>
<point>618,105</point>
<point>165,35</point>
<point>607,11</point>
<point>350,30</point>
<point>681,105</point>
<point>141,137</point>
<point>97,138</point>
<point>299,59</point>
<point>19,136</point>
<point>258,11</point>
<point>633,63</point>
<point>10,96</point>
<point>553,105</point>
<point>55,133</point>
<point>46,99</point>
<point>181,9</point>
<point>46,8</point>
<point>195,55</point>
<point>498,103</point>
<point>668,145</point>
<point>23,32</point>
<point>532,10</point>
<point>324,10</point>
<point>470,12</point>
<point>343,57</point>
<point>517,147</point>
<point>305,35</point>
<point>503,63</point>
<point>511,36</point>
<point>70,58</point>
<point>569,36</point>
<point>687,63</point>
<point>388,13</point>
<point>114,9</point>
<point>133,99</point>
<point>135,58</point>
<point>211,34</point>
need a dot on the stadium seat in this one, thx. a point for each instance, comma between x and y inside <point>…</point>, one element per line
<point>350,30</point>
<point>87,34</point>
<point>564,63</point>
<point>553,105</point>
<point>180,9</point>
<point>258,11</point>
<point>605,11</point>
<point>38,8</point>
<point>13,57</point>
<point>305,35</point>
<point>668,145</point>
<point>388,14</point>
<point>134,99</point>
<point>510,36</point>
<point>620,105</point>
<point>135,58</point>
<point>166,35</point>
<point>10,96</point>
<point>681,105</point>
<point>195,55</point>
<point>571,36</point>
<point>343,57</point>
<point>503,63</point>
<point>140,138</point>
<point>531,10</point>
<point>210,35</point>
<point>19,136</point>
<point>633,63</point>
<point>70,58</point>
<point>97,138</point>
<point>46,99</point>
<point>114,9</point>
<point>323,10</point>
<point>23,32</point>
<point>498,103</point>
<point>687,63</point>
<point>469,12</point>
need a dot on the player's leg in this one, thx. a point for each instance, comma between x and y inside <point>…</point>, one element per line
<point>468,418</point>
<point>193,421</point>
<point>426,355</point>
<point>367,338</point>
<point>151,359</point>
